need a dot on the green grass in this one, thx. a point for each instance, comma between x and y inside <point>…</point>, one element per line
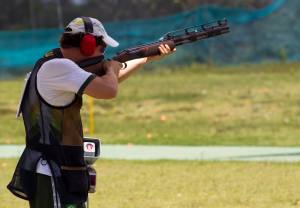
<point>195,105</point>
<point>123,184</point>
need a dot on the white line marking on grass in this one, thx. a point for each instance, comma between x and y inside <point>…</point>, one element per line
<point>205,153</point>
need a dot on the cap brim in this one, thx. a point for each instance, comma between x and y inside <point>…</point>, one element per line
<point>110,41</point>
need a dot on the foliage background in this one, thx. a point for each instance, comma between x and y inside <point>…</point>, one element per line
<point>26,14</point>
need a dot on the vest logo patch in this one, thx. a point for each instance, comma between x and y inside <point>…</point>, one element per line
<point>50,53</point>
<point>89,147</point>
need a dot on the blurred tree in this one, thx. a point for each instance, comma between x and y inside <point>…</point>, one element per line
<point>25,14</point>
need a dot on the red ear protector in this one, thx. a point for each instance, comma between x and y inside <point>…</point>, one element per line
<point>88,42</point>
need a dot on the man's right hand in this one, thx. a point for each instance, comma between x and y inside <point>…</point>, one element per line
<point>113,66</point>
<point>106,86</point>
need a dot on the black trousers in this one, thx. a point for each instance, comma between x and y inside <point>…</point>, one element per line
<point>47,197</point>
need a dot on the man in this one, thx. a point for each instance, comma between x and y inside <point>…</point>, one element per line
<point>51,171</point>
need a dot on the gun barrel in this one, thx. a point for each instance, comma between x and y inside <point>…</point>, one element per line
<point>195,36</point>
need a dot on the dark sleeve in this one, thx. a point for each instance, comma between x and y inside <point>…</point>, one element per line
<point>85,84</point>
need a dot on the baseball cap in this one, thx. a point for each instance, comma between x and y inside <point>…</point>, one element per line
<point>77,26</point>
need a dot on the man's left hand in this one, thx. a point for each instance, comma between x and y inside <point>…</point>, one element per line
<point>164,51</point>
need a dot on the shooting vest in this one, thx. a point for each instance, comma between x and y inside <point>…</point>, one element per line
<point>55,135</point>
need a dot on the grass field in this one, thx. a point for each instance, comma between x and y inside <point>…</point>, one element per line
<point>195,105</point>
<point>157,184</point>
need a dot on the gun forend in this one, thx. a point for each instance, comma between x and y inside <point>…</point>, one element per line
<point>142,51</point>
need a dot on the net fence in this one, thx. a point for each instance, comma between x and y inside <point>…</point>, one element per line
<point>267,34</point>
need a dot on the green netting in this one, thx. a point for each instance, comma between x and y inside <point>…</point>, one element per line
<point>269,33</point>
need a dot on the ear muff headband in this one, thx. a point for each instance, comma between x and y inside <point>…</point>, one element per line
<point>88,25</point>
<point>88,42</point>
